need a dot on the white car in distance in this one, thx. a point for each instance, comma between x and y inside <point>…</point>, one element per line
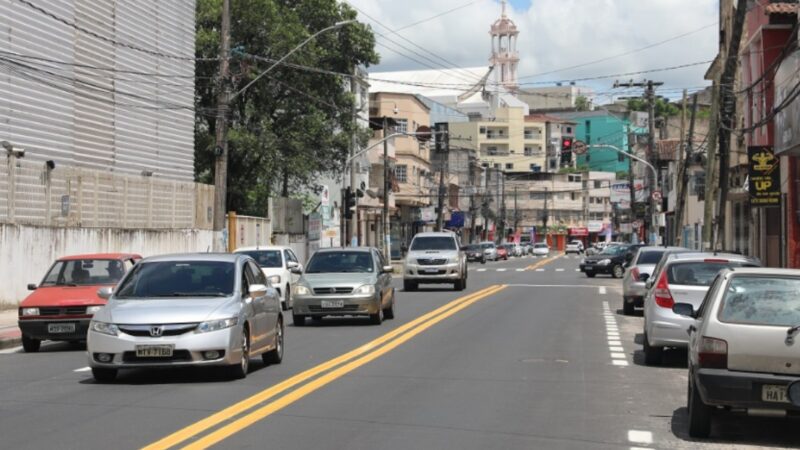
<point>281,267</point>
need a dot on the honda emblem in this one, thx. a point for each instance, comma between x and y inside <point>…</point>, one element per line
<point>156,331</point>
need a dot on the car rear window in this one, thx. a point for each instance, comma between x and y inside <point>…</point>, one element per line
<point>540,245</point>
<point>698,273</point>
<point>651,257</point>
<point>433,243</point>
<point>340,262</point>
<point>762,301</point>
<point>266,258</point>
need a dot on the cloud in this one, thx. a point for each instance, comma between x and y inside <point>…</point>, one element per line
<point>554,34</point>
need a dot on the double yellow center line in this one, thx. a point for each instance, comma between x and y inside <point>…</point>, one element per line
<point>538,264</point>
<point>250,410</point>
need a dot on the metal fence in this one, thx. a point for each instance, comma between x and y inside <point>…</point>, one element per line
<point>34,193</point>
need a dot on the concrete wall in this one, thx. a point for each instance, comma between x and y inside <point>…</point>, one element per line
<point>26,252</point>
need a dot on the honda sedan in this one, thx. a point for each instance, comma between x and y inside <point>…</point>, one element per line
<point>187,310</point>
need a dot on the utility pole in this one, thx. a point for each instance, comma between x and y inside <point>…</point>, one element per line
<point>443,167</point>
<point>353,236</point>
<point>545,217</point>
<point>503,202</point>
<point>727,116</point>
<point>516,214</point>
<point>631,184</point>
<point>387,238</point>
<point>221,126</point>
<point>711,168</point>
<point>683,178</point>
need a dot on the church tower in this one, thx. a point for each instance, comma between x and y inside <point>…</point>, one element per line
<point>505,57</point>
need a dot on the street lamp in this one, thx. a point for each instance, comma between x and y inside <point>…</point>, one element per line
<point>653,227</point>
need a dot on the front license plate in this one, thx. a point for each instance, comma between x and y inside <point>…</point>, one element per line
<point>774,394</point>
<point>332,303</point>
<point>60,327</point>
<point>431,271</point>
<point>154,351</point>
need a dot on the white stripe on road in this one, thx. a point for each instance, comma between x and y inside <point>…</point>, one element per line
<point>616,349</point>
<point>10,350</point>
<point>559,270</point>
<point>577,270</point>
<point>601,290</point>
<point>619,362</point>
<point>83,369</point>
<point>617,355</point>
<point>640,437</point>
<point>520,270</point>
<point>614,342</point>
<point>481,270</point>
<point>540,270</point>
<point>501,270</point>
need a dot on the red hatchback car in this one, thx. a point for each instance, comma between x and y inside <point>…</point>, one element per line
<point>502,252</point>
<point>62,305</point>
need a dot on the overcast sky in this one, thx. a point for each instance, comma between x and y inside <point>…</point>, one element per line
<point>554,35</point>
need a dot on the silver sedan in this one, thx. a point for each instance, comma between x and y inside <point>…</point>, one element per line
<point>187,310</point>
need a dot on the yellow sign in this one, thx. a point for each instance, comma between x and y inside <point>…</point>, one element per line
<point>764,176</point>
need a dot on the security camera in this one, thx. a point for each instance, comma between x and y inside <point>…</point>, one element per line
<point>7,145</point>
<point>395,110</point>
<point>17,152</point>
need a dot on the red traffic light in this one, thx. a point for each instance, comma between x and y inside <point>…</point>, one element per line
<point>566,144</point>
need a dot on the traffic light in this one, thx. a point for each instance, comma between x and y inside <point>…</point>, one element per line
<point>441,137</point>
<point>566,151</point>
<point>349,202</point>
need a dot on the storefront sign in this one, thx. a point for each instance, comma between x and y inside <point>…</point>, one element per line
<point>787,121</point>
<point>764,176</point>
<point>579,232</point>
<point>594,226</point>
<point>314,226</point>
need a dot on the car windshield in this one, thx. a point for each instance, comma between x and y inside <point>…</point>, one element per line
<point>650,257</point>
<point>433,243</point>
<point>473,248</point>
<point>84,272</point>
<point>340,262</point>
<point>698,273</point>
<point>614,250</point>
<point>487,245</point>
<point>540,246</point>
<point>762,301</point>
<point>266,258</point>
<point>159,279</point>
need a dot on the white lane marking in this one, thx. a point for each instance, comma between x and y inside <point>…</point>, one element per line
<point>540,270</point>
<point>559,270</point>
<point>601,290</point>
<point>619,362</point>
<point>8,351</point>
<point>616,349</point>
<point>577,270</point>
<point>501,270</point>
<point>617,355</point>
<point>481,270</point>
<point>612,335</point>
<point>614,342</point>
<point>520,270</point>
<point>640,437</point>
<point>83,369</point>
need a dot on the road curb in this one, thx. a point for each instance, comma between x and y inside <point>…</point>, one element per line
<point>10,342</point>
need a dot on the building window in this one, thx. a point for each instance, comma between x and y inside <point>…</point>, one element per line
<point>528,151</point>
<point>482,130</point>
<point>620,157</point>
<point>598,184</point>
<point>498,166</point>
<point>572,196</point>
<point>492,151</point>
<point>553,164</point>
<point>588,157</point>
<point>509,166</point>
<point>402,125</point>
<point>569,130</point>
<point>401,173</point>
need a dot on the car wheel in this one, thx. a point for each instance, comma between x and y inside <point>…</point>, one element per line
<point>275,356</point>
<point>388,313</point>
<point>377,318</point>
<point>287,299</point>
<point>627,306</point>
<point>699,413</point>
<point>409,285</point>
<point>104,375</point>
<point>617,271</point>
<point>30,345</point>
<point>460,285</point>
<point>652,355</point>
<point>483,260</point>
<point>590,274</point>
<point>298,320</point>
<point>239,370</point>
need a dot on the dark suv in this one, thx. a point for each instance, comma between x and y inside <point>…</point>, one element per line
<point>475,253</point>
<point>611,261</point>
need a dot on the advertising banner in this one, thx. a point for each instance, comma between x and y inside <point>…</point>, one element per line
<point>764,176</point>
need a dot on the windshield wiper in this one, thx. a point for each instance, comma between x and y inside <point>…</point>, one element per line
<point>196,294</point>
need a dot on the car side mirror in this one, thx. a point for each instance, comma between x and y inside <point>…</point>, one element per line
<point>258,290</point>
<point>32,287</point>
<point>105,292</point>
<point>388,269</point>
<point>291,265</point>
<point>297,270</point>
<point>793,392</point>
<point>684,309</point>
<point>644,277</point>
<point>648,284</point>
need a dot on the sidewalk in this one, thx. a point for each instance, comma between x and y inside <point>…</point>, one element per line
<point>10,335</point>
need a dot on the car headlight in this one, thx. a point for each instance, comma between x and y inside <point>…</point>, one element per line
<point>301,290</point>
<point>214,325</point>
<point>104,328</point>
<point>29,312</point>
<point>274,280</point>
<point>93,309</point>
<point>604,262</point>
<point>367,289</point>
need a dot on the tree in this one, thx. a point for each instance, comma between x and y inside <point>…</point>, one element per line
<point>582,103</point>
<point>663,108</point>
<point>294,124</point>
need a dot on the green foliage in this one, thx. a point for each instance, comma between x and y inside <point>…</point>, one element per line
<point>622,175</point>
<point>582,103</point>
<point>291,126</point>
<point>663,107</point>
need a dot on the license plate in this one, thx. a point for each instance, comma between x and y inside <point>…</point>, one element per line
<point>773,393</point>
<point>332,303</point>
<point>154,351</point>
<point>60,327</point>
<point>431,271</point>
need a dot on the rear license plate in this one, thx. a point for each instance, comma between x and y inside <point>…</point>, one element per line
<point>332,303</point>
<point>60,327</point>
<point>431,271</point>
<point>154,351</point>
<point>774,394</point>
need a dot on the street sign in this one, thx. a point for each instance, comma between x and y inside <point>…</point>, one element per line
<point>579,147</point>
<point>656,196</point>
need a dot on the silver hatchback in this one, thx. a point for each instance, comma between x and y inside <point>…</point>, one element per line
<point>187,310</point>
<point>638,270</point>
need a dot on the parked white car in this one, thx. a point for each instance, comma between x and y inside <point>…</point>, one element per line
<point>574,247</point>
<point>279,265</point>
<point>541,249</point>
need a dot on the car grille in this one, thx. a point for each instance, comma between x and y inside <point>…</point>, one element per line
<point>177,356</point>
<point>438,272</point>
<point>167,330</point>
<point>68,311</point>
<point>332,290</point>
<point>431,262</point>
<point>590,263</point>
<point>345,308</point>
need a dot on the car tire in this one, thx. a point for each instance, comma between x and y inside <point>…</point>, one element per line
<point>460,285</point>
<point>377,318</point>
<point>652,355</point>
<point>409,286</point>
<point>275,356</point>
<point>483,260</point>
<point>388,313</point>
<point>590,274</point>
<point>30,345</point>
<point>239,370</point>
<point>104,375</point>
<point>617,271</point>
<point>627,306</point>
<point>298,320</point>
<point>699,413</point>
<point>286,304</point>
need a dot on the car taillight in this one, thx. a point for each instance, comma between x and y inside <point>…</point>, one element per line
<point>662,295</point>
<point>713,353</point>
<point>635,274</point>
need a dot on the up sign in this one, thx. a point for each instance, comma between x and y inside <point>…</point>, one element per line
<point>764,171</point>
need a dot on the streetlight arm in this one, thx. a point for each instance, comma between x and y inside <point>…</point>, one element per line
<point>629,155</point>
<point>292,51</point>
<point>393,135</point>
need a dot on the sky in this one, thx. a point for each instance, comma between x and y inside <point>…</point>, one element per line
<point>555,35</point>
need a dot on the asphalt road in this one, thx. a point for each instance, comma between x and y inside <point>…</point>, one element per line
<point>527,357</point>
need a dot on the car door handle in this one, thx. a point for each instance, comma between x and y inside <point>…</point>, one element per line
<point>691,330</point>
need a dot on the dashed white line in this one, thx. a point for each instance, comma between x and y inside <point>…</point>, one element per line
<point>501,270</point>
<point>614,343</point>
<point>619,362</point>
<point>601,290</point>
<point>617,355</point>
<point>83,369</point>
<point>520,270</point>
<point>481,270</point>
<point>616,349</point>
<point>559,270</point>
<point>577,270</point>
<point>640,437</point>
<point>540,270</point>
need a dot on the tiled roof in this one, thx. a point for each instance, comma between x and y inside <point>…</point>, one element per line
<point>781,8</point>
<point>668,148</point>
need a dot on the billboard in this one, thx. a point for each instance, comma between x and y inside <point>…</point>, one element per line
<point>620,193</point>
<point>764,176</point>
